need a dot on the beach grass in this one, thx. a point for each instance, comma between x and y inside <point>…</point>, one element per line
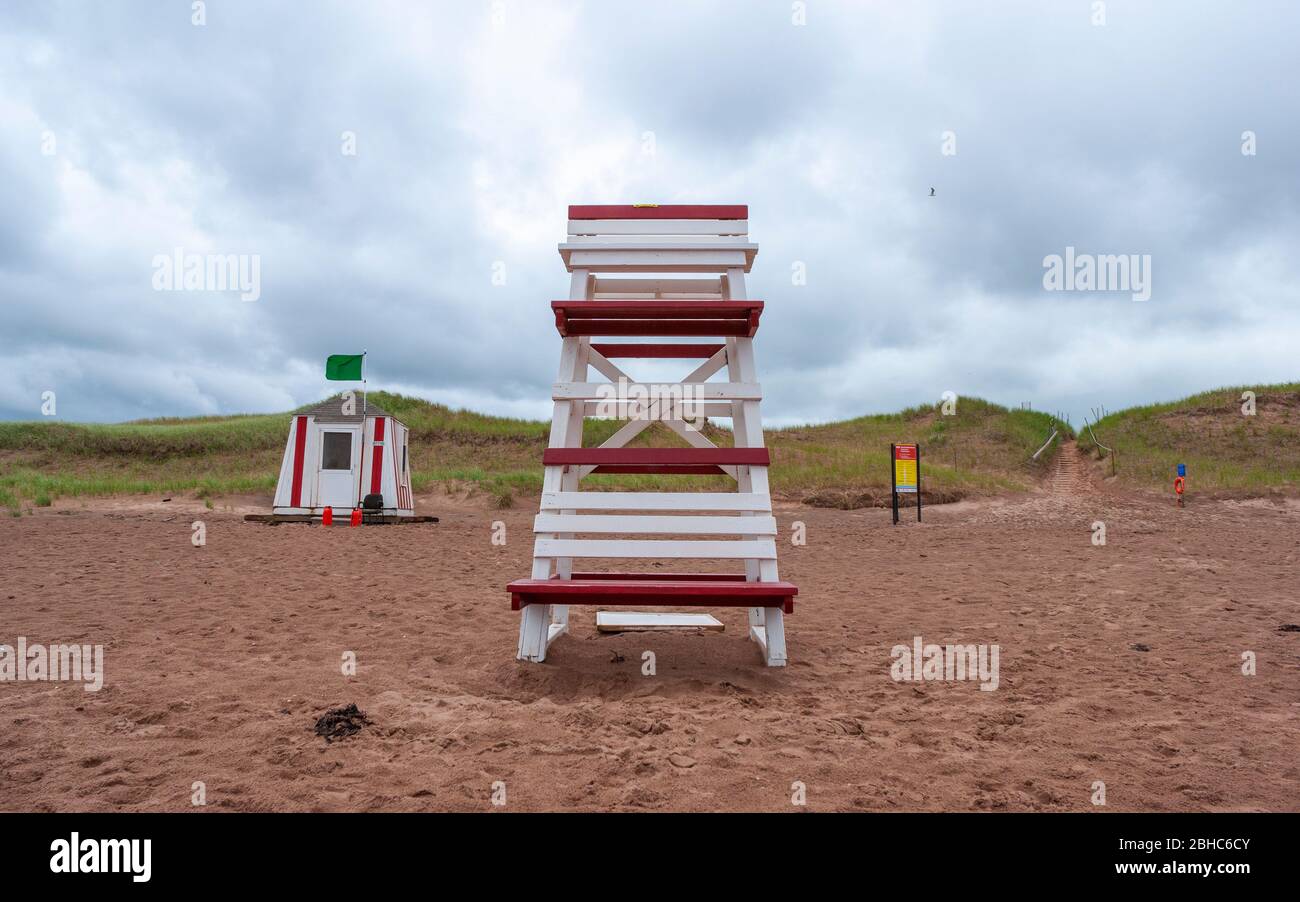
<point>978,448</point>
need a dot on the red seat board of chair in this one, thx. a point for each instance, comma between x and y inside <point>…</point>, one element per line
<point>661,470</point>
<point>660,328</point>
<point>648,351</point>
<point>667,211</point>
<point>655,309</point>
<point>651,317</point>
<point>667,589</point>
<point>669,457</point>
<point>666,577</point>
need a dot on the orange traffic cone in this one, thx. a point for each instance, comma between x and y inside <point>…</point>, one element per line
<point>327,518</point>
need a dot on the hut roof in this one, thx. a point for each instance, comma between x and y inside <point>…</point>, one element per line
<point>331,411</point>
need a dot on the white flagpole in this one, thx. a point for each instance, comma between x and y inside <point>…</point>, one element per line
<point>363,383</point>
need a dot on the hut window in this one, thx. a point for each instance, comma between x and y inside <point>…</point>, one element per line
<point>336,453</point>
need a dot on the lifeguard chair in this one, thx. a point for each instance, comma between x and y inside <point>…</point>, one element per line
<point>689,286</point>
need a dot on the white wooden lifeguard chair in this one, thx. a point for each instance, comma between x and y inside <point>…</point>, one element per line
<point>689,264</point>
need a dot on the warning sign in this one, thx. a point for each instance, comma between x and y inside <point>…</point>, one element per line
<point>905,468</point>
<point>905,478</point>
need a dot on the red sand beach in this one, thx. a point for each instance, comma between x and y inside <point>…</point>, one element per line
<point>219,659</point>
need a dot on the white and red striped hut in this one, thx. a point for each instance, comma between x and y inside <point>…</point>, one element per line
<point>338,457</point>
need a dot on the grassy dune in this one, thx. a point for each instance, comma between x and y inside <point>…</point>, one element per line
<point>981,449</point>
<point>1225,450</point>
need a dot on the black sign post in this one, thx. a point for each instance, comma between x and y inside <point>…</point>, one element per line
<point>918,483</point>
<point>893,479</point>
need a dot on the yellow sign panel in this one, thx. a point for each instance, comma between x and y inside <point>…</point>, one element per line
<point>905,476</point>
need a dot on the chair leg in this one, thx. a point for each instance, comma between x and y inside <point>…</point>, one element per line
<point>774,629</point>
<point>534,632</point>
<point>757,629</point>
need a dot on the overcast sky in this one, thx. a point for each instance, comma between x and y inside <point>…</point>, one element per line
<point>127,131</point>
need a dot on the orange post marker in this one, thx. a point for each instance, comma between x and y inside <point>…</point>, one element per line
<point>327,517</point>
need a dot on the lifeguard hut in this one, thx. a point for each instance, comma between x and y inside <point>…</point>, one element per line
<point>341,453</point>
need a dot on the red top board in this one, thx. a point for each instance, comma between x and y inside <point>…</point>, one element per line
<point>756,457</point>
<point>670,211</point>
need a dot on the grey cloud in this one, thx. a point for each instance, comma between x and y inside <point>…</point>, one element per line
<point>471,138</point>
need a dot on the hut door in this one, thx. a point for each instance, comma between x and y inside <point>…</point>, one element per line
<point>340,460</point>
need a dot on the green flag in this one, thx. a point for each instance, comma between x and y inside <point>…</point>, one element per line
<point>344,367</point>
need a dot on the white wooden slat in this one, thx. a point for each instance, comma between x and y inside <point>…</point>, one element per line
<point>658,226</point>
<point>654,287</point>
<point>759,549</point>
<point>622,260</point>
<point>682,525</point>
<point>641,621</point>
<point>605,367</point>
<point>635,425</point>
<point>656,242</point>
<point>643,416</point>
<point>708,367</point>
<point>715,409</point>
<point>655,501</point>
<point>705,391</point>
<point>695,438</point>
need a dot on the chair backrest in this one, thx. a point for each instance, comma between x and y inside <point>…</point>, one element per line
<point>647,220</point>
<point>652,238</point>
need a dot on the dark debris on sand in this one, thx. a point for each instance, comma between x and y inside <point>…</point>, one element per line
<point>340,722</point>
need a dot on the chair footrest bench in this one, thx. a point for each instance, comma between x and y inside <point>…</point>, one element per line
<point>667,589</point>
<point>651,316</point>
